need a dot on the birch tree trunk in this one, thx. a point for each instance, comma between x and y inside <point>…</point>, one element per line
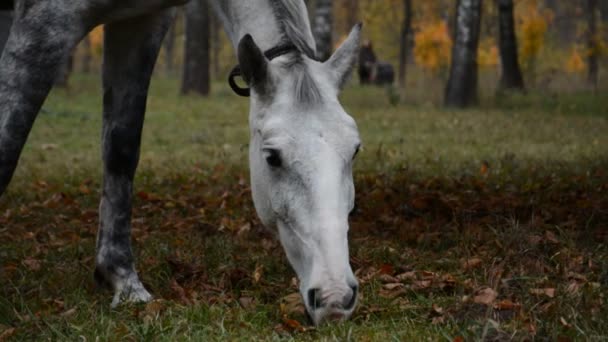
<point>511,77</point>
<point>322,28</point>
<point>404,41</point>
<point>196,52</point>
<point>461,90</point>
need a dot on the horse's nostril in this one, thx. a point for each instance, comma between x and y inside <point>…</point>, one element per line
<point>349,302</point>
<point>313,301</point>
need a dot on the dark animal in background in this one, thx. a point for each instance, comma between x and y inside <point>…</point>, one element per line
<point>371,71</point>
<point>384,74</point>
<point>367,60</point>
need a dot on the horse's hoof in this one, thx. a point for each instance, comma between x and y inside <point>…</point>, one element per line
<point>130,290</point>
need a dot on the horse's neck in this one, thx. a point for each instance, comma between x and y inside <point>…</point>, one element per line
<point>254,17</point>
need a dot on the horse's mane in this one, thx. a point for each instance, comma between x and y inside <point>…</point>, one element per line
<point>293,21</point>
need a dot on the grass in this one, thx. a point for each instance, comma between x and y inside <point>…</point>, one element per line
<point>510,196</point>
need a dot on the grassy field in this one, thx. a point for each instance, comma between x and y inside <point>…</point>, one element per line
<point>484,224</point>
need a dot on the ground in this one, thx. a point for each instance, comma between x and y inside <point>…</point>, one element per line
<point>487,224</point>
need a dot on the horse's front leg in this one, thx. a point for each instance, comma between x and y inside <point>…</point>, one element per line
<point>130,51</point>
<point>37,45</point>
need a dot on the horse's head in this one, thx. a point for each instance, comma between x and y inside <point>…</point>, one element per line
<point>301,153</point>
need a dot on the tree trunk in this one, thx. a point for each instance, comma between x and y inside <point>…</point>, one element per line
<point>406,28</point>
<point>169,47</point>
<point>216,45</point>
<point>592,44</point>
<point>322,28</point>
<point>196,53</point>
<point>6,20</point>
<point>461,90</point>
<point>511,77</point>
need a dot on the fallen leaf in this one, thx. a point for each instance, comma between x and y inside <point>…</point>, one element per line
<point>385,278</point>
<point>292,304</point>
<point>549,292</point>
<point>573,287</point>
<point>386,269</point>
<point>246,302</point>
<point>257,274</point>
<point>411,275</point>
<point>293,325</point>
<point>31,264</point>
<point>549,236</point>
<point>392,286</point>
<point>6,334</point>
<point>506,304</point>
<point>565,323</point>
<point>485,296</point>
<point>68,313</point>
<point>471,263</point>
<point>421,284</point>
<point>483,170</point>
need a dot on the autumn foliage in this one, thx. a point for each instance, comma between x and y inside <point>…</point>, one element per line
<point>433,46</point>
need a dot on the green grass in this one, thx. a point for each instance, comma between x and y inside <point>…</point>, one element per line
<point>516,187</point>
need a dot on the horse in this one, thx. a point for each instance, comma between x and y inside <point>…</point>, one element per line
<point>302,141</point>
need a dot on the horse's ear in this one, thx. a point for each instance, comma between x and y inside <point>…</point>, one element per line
<point>342,62</point>
<point>254,65</point>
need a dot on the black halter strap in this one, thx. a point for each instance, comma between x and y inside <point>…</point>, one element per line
<point>270,54</point>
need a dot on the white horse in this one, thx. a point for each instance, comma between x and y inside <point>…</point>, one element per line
<point>302,141</point>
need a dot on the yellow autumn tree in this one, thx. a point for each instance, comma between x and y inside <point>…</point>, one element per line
<point>433,46</point>
<point>487,53</point>
<point>382,19</point>
<point>533,24</point>
<point>96,37</point>
<point>575,63</point>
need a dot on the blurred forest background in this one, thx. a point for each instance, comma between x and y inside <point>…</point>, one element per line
<point>484,224</point>
<point>560,45</point>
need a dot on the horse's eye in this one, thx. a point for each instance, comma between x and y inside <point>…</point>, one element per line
<point>356,151</point>
<point>273,158</point>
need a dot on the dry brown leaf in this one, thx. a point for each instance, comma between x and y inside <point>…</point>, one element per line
<point>68,313</point>
<point>385,278</point>
<point>292,304</point>
<point>181,293</point>
<point>411,275</point>
<point>437,309</point>
<point>428,275</point>
<point>549,292</point>
<point>573,287</point>
<point>155,307</point>
<point>550,236</point>
<point>421,284</point>
<point>31,264</point>
<point>506,304</point>
<point>244,229</point>
<point>392,286</point>
<point>438,320</point>
<point>246,302</point>
<point>6,334</point>
<point>293,325</point>
<point>471,263</point>
<point>485,296</point>
<point>257,274</point>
